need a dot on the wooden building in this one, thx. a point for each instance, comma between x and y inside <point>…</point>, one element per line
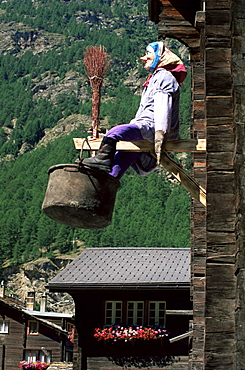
<point>213,31</point>
<point>32,335</point>
<point>129,287</point>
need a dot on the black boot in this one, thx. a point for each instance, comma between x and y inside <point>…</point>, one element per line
<point>103,160</point>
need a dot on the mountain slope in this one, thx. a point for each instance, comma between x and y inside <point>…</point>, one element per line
<point>45,100</point>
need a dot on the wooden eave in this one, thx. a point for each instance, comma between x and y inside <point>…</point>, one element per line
<point>176,19</point>
<point>72,288</point>
<point>185,10</point>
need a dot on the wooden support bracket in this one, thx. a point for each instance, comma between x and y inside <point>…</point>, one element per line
<point>181,336</point>
<point>189,183</point>
<point>179,312</point>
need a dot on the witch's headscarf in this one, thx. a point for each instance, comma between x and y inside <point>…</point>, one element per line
<point>167,59</point>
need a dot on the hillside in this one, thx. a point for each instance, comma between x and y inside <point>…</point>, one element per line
<point>45,100</point>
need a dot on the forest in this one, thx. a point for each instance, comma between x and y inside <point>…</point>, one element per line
<point>149,211</point>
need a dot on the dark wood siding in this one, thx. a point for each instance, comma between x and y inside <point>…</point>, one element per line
<point>90,313</point>
<point>218,258</point>
<point>13,344</point>
<point>47,338</point>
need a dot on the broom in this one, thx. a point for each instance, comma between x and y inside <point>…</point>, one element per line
<point>96,63</point>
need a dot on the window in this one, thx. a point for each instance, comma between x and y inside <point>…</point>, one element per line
<point>44,355</point>
<point>33,327</point>
<point>69,326</point>
<point>113,312</point>
<point>157,311</point>
<point>68,356</point>
<point>152,313</point>
<point>4,327</point>
<point>135,313</point>
<point>32,355</point>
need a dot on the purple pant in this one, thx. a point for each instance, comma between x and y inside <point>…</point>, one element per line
<point>123,160</point>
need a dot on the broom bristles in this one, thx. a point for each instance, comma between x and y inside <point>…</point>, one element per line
<point>96,61</point>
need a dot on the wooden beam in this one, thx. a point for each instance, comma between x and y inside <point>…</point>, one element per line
<point>191,145</point>
<point>182,336</point>
<point>179,312</point>
<point>189,183</point>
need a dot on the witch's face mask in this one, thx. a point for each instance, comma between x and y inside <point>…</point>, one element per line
<point>148,58</point>
<point>153,53</point>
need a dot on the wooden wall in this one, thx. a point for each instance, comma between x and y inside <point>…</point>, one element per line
<point>90,314</point>
<point>221,190</point>
<point>48,338</point>
<point>198,212</point>
<point>218,258</point>
<point>173,23</point>
<point>13,344</point>
<point>238,78</point>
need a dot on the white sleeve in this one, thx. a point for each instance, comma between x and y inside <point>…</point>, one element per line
<point>162,111</point>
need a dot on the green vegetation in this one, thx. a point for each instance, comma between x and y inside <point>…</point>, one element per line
<point>149,211</point>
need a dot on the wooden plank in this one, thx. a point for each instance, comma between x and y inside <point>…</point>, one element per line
<point>179,312</point>
<point>192,145</point>
<point>218,58</point>
<point>221,138</point>
<point>189,183</point>
<point>221,359</point>
<point>218,17</point>
<point>219,344</point>
<point>182,336</point>
<point>221,4</point>
<point>220,161</point>
<point>221,182</point>
<point>220,238</point>
<point>218,79</point>
<point>222,218</point>
<point>198,108</point>
<point>219,106</point>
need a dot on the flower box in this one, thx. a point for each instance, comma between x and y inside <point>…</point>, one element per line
<point>129,334</point>
<point>37,365</point>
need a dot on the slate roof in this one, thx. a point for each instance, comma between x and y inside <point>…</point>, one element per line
<point>111,268</point>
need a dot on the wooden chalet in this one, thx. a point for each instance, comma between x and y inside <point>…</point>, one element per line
<point>129,287</point>
<point>213,31</point>
<point>32,335</point>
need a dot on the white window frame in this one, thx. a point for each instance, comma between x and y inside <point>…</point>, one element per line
<point>157,313</point>
<point>30,355</point>
<point>4,326</point>
<point>44,356</point>
<point>114,319</point>
<point>33,355</point>
<point>137,320</point>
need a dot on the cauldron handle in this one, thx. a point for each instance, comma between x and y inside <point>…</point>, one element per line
<point>82,147</point>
